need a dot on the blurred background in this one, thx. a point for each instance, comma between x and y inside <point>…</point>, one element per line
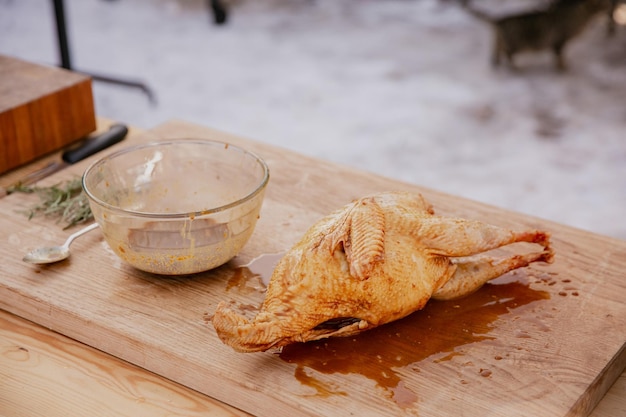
<point>402,88</point>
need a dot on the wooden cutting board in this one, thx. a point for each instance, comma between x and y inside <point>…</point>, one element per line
<point>544,341</point>
<point>42,109</point>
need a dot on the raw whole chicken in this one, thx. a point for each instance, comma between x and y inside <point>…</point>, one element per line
<point>376,260</point>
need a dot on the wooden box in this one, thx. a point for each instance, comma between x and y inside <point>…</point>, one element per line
<point>42,109</point>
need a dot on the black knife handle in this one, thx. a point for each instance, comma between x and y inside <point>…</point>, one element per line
<point>115,134</point>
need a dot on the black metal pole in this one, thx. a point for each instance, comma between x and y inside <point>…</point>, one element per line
<point>219,11</point>
<point>64,50</point>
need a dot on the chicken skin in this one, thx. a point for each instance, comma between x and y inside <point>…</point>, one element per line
<point>376,260</point>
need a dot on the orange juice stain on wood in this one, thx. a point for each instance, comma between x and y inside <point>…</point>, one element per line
<point>434,333</point>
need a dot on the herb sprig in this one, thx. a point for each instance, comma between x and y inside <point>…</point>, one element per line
<point>65,201</point>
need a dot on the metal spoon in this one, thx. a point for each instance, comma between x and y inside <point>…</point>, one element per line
<point>51,254</point>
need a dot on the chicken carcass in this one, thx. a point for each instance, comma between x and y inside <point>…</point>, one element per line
<point>376,260</point>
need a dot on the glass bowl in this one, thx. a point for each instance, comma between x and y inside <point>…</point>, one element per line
<point>177,207</point>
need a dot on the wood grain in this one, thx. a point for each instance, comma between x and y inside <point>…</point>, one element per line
<point>42,109</point>
<point>614,402</point>
<point>39,369</point>
<point>552,356</point>
<point>44,373</point>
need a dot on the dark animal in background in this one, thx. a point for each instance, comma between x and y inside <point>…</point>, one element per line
<point>548,29</point>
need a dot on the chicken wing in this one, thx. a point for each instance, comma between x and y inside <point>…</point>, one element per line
<point>376,260</point>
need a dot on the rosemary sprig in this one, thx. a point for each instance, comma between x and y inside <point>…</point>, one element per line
<point>65,201</point>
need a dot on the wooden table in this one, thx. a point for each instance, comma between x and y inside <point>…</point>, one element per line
<point>45,373</point>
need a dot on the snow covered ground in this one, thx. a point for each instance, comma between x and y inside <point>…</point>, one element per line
<point>402,88</point>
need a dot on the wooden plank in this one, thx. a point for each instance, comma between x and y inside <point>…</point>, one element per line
<point>545,341</point>
<point>42,109</point>
<point>45,373</point>
<point>614,402</point>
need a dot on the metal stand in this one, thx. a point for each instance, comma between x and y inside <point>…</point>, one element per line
<point>220,14</point>
<point>64,51</point>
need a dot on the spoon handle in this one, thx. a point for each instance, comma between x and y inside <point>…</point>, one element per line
<point>81,232</point>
